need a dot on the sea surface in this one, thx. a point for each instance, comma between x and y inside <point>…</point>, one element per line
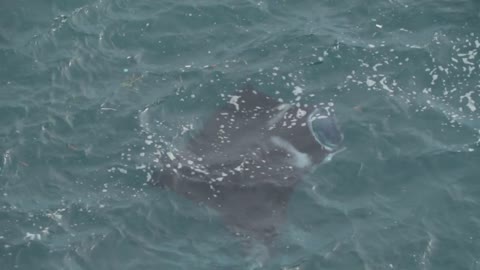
<point>77,79</point>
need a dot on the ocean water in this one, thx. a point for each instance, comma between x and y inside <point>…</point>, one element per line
<point>88,87</point>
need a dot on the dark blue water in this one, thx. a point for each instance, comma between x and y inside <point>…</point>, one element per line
<point>75,77</point>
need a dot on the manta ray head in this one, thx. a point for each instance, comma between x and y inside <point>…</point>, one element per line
<point>323,126</point>
<point>314,139</point>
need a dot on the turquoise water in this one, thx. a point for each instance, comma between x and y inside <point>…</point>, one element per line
<point>75,77</point>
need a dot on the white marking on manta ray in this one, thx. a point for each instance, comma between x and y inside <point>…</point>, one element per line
<point>283,108</point>
<point>300,159</point>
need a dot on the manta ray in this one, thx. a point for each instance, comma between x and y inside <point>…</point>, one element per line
<point>248,157</point>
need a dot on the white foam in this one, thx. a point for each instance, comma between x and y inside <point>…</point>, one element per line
<point>370,82</point>
<point>470,101</point>
<point>384,85</point>
<point>170,155</point>
<point>297,90</point>
<point>32,236</point>
<point>301,113</point>
<point>376,66</point>
<point>234,102</point>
